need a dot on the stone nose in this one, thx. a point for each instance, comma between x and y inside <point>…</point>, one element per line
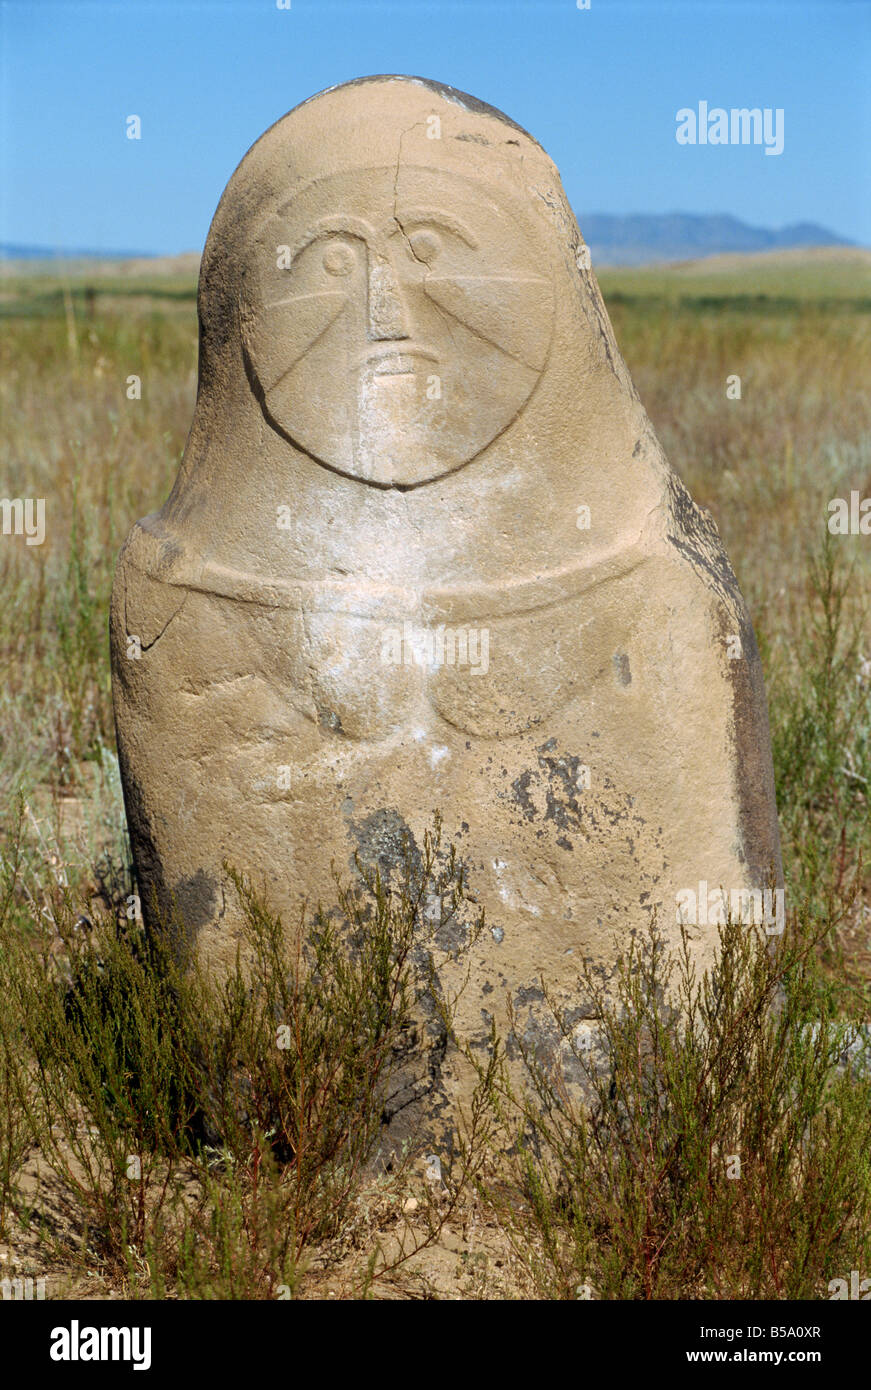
<point>387,311</point>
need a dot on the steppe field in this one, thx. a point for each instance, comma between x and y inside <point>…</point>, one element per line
<point>111,1181</point>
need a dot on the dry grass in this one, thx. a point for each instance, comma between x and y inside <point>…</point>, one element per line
<point>799,337</point>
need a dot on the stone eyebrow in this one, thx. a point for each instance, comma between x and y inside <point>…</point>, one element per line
<point>340,222</point>
<point>440,218</point>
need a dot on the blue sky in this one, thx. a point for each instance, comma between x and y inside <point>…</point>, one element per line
<point>599,88</point>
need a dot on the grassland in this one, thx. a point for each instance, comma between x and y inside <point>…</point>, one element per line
<point>795,330</point>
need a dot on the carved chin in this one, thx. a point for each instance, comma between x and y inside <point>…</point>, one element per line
<point>400,421</point>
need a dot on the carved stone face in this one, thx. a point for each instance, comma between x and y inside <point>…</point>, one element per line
<point>404,326</point>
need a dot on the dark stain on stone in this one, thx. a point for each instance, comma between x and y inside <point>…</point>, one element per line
<point>563,806</point>
<point>155,897</point>
<point>192,903</point>
<point>384,840</point>
<point>698,540</point>
<point>416,1098</point>
<point>754,771</point>
<point>520,788</point>
<point>621,666</point>
<point>450,93</point>
<point>149,870</point>
<point>528,994</point>
<point>329,720</point>
<point>196,898</point>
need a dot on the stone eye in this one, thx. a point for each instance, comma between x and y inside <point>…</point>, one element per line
<point>425,245</point>
<point>339,258</point>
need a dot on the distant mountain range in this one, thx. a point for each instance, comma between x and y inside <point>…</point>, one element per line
<point>632,240</point>
<point>683,236</point>
<point>12,251</point>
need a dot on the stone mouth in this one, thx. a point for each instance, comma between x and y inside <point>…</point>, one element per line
<point>397,361</point>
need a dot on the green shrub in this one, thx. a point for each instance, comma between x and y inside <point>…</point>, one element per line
<point>721,1151</point>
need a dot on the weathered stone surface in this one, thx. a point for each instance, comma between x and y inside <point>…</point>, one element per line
<point>374,570</point>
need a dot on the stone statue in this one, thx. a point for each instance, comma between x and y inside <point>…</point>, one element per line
<point>424,551</point>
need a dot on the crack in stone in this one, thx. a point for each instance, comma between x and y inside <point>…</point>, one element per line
<point>146,646</point>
